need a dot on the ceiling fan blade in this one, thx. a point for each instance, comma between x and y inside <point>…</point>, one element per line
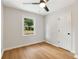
<point>41,1</point>
<point>31,3</point>
<point>46,8</point>
<point>44,1</point>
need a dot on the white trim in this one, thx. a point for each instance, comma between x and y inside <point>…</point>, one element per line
<point>52,44</point>
<point>2,53</point>
<point>75,55</point>
<point>22,45</point>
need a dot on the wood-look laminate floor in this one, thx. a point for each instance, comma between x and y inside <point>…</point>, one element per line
<point>38,51</point>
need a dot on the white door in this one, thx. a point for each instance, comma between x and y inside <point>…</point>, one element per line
<point>64,31</point>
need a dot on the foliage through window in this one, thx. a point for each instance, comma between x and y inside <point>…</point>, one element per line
<point>28,26</point>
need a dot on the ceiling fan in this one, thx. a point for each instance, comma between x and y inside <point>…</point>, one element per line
<point>42,4</point>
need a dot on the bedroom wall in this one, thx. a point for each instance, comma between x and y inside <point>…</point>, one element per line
<point>46,27</point>
<point>74,22</point>
<point>52,33</point>
<point>2,26</point>
<point>13,28</point>
<point>56,27</point>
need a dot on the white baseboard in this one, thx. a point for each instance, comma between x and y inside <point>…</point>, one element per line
<point>2,53</point>
<point>75,55</point>
<point>22,45</point>
<point>51,43</point>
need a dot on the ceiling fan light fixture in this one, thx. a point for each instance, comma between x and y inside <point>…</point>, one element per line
<point>42,4</point>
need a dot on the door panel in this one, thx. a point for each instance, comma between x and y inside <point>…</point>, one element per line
<point>64,31</point>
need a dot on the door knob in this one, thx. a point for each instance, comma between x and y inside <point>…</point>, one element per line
<point>68,33</point>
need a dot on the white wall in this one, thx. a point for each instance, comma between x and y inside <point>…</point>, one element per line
<point>57,22</point>
<point>47,26</point>
<point>2,26</point>
<point>13,28</point>
<point>61,22</point>
<point>74,22</point>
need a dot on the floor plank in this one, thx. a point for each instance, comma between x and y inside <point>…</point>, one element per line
<point>38,51</point>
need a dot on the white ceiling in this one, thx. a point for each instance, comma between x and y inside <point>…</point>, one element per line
<point>53,5</point>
